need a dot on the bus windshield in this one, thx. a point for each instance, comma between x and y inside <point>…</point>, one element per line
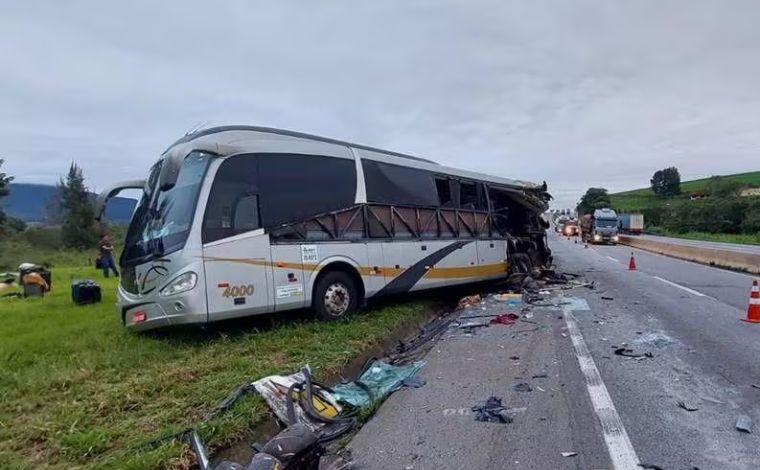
<point>162,220</point>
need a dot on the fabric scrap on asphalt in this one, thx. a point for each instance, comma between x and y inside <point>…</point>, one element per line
<point>504,319</point>
<point>492,411</point>
<point>629,353</point>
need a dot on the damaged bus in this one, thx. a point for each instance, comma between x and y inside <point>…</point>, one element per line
<point>240,220</point>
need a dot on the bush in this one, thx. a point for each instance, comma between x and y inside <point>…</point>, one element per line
<point>751,222</point>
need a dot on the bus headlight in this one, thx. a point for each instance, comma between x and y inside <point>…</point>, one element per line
<point>597,237</point>
<point>182,283</point>
<point>615,238</point>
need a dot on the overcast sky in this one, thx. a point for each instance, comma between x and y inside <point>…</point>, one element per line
<point>575,92</point>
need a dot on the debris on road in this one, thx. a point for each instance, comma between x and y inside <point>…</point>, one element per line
<point>378,380</point>
<point>569,454</point>
<point>540,376</point>
<point>504,319</point>
<point>650,466</point>
<point>685,407</point>
<point>756,386</point>
<point>744,424</point>
<point>413,382</point>
<point>468,301</point>
<point>606,297</point>
<point>492,411</point>
<point>522,387</point>
<point>629,353</point>
<point>509,298</point>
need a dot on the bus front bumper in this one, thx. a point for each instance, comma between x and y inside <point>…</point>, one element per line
<point>158,313</point>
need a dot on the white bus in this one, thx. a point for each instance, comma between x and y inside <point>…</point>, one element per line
<point>242,220</point>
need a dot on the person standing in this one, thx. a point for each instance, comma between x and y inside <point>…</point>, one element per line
<point>106,256</point>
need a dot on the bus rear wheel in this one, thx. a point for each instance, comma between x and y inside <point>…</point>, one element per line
<point>335,296</point>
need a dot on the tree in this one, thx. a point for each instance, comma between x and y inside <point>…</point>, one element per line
<point>719,186</point>
<point>5,187</point>
<point>666,182</point>
<point>77,212</point>
<point>595,198</point>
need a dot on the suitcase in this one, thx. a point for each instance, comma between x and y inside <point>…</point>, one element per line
<point>85,292</point>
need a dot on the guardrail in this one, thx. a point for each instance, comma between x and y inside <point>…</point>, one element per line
<point>749,262</point>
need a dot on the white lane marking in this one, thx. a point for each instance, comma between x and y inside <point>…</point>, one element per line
<point>622,453</point>
<point>691,291</point>
<point>613,259</point>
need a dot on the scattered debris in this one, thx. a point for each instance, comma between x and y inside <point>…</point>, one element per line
<point>569,454</point>
<point>605,297</point>
<point>713,400</point>
<point>504,319</point>
<point>522,387</point>
<point>509,298</point>
<point>468,301</point>
<point>629,353</point>
<point>540,376</point>
<point>756,386</point>
<point>657,340</point>
<point>378,380</point>
<point>687,408</point>
<point>515,358</point>
<point>413,382</point>
<point>744,423</point>
<point>540,389</point>
<point>650,466</point>
<point>492,411</point>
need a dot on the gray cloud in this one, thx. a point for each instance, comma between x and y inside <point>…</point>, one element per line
<point>578,93</point>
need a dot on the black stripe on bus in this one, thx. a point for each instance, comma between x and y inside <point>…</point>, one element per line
<point>407,279</point>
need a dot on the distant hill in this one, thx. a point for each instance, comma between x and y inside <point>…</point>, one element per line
<point>640,199</point>
<point>28,201</point>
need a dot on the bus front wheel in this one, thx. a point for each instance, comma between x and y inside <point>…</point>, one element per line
<point>335,296</point>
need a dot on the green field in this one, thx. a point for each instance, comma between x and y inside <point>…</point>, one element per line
<point>639,199</point>
<point>79,391</point>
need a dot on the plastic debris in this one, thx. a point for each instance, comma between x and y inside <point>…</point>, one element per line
<point>379,379</point>
<point>540,376</point>
<point>744,423</point>
<point>509,298</point>
<point>522,387</point>
<point>605,297</point>
<point>492,411</point>
<point>274,389</point>
<point>468,301</point>
<point>650,466</point>
<point>504,319</point>
<point>413,382</point>
<point>687,408</point>
<point>569,454</point>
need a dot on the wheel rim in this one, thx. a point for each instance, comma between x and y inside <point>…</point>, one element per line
<point>337,299</point>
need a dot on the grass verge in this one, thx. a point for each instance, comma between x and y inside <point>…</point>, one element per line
<point>740,238</point>
<point>79,391</point>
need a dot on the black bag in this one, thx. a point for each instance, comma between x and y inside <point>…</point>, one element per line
<point>85,292</point>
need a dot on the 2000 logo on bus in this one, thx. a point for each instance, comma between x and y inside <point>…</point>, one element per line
<point>236,291</point>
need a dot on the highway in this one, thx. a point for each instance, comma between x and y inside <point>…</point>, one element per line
<point>613,412</point>
<point>755,249</point>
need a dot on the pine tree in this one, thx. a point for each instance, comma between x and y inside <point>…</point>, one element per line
<point>77,212</point>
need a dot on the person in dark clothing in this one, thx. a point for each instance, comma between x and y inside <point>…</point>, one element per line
<point>106,256</point>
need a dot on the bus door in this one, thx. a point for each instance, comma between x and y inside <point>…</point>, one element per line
<point>238,275</point>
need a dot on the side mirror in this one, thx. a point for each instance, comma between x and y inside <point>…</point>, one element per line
<point>170,171</point>
<point>108,193</point>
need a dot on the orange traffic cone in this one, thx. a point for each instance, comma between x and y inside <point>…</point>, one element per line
<point>753,311</point>
<point>632,264</point>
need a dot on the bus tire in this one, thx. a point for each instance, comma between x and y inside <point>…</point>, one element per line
<point>335,296</point>
<point>522,264</point>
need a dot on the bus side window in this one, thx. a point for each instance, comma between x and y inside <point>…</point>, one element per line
<point>246,214</point>
<point>469,196</point>
<point>443,187</point>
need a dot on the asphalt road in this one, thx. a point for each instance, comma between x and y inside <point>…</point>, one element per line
<point>706,244</point>
<point>613,411</point>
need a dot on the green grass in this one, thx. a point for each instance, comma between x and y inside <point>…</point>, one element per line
<point>79,391</point>
<point>644,198</point>
<point>741,238</point>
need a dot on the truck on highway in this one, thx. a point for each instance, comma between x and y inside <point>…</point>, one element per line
<point>631,223</point>
<point>600,227</point>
